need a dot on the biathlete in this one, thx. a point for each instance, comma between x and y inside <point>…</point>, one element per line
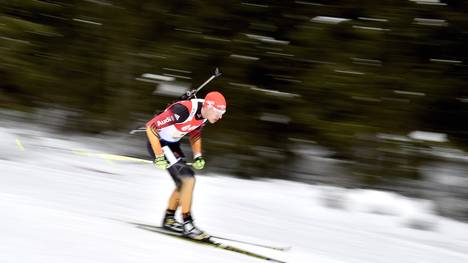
<point>164,132</point>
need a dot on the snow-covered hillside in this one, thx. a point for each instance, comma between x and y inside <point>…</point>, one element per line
<point>59,206</point>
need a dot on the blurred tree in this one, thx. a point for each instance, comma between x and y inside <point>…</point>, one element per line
<point>24,35</point>
<point>335,72</point>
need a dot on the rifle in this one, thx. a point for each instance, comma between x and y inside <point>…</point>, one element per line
<point>190,94</point>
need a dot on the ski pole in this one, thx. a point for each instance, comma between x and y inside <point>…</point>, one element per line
<point>253,244</point>
<point>114,157</point>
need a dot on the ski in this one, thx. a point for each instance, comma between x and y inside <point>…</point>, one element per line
<point>279,248</point>
<point>208,241</point>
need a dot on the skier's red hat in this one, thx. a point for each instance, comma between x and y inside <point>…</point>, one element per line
<point>216,100</point>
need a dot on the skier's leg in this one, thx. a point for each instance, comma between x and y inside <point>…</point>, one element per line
<point>184,177</point>
<point>186,194</point>
<point>169,221</point>
<point>173,203</point>
<point>186,198</point>
<point>176,153</point>
<point>178,171</point>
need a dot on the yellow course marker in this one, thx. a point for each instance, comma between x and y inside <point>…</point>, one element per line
<point>20,145</point>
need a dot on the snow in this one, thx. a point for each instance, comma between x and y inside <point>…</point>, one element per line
<point>60,206</point>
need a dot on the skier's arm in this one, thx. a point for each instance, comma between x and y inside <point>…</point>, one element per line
<point>195,141</point>
<point>153,137</point>
<point>160,121</point>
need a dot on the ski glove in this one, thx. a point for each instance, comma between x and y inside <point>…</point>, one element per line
<point>198,163</point>
<point>161,162</point>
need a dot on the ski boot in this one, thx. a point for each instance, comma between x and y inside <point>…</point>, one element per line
<point>193,232</point>
<point>171,224</point>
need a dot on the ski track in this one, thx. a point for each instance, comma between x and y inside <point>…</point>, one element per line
<point>61,207</point>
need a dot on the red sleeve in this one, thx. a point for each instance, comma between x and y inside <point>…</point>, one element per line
<point>162,120</point>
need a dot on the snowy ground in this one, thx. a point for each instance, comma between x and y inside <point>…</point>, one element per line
<point>58,206</point>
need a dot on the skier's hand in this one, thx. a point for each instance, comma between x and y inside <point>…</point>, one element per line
<point>198,163</point>
<point>161,162</point>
